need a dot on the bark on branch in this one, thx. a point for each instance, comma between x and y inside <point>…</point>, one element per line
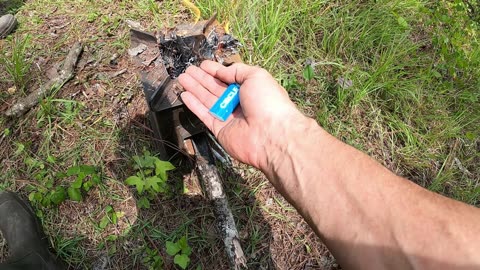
<point>64,75</point>
<point>214,190</point>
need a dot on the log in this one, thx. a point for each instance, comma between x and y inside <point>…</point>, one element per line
<point>215,193</point>
<point>65,74</point>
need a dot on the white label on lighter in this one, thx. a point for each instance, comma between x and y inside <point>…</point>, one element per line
<point>229,98</point>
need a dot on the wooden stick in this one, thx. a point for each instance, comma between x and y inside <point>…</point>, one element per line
<point>65,74</point>
<point>216,194</point>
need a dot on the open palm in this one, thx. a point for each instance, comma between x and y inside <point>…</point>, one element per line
<point>264,107</point>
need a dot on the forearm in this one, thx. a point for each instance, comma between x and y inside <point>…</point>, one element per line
<point>367,216</point>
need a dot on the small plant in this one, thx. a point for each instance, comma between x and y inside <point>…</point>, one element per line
<point>308,71</point>
<point>92,16</point>
<point>6,132</point>
<point>291,83</point>
<point>181,250</point>
<point>16,62</point>
<point>48,198</point>
<point>111,217</point>
<point>47,192</point>
<point>87,177</point>
<point>69,109</point>
<point>66,111</point>
<point>152,259</point>
<point>44,191</point>
<point>150,178</point>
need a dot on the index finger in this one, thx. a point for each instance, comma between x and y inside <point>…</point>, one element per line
<point>212,84</point>
<point>236,73</point>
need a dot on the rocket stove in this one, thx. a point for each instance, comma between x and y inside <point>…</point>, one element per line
<point>161,57</point>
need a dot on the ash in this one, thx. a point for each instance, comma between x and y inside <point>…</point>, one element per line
<point>179,52</point>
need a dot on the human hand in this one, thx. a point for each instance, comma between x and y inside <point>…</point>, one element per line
<point>264,113</point>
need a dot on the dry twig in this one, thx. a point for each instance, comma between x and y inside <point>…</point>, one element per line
<point>65,74</point>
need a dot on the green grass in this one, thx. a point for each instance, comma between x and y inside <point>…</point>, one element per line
<point>16,63</point>
<point>413,68</point>
<point>397,79</point>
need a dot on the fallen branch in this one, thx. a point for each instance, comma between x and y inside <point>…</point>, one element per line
<point>216,194</point>
<point>65,74</point>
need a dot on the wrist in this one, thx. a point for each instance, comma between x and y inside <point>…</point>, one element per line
<point>286,140</point>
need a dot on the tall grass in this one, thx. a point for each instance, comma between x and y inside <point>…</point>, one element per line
<point>413,72</point>
<point>16,62</point>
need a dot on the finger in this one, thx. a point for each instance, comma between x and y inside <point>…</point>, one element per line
<point>236,73</point>
<point>193,86</point>
<point>211,67</point>
<point>212,84</point>
<point>201,112</point>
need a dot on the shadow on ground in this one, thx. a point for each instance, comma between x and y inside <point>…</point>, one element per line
<point>185,212</point>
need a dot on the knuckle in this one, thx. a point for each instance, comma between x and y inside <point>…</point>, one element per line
<point>261,71</point>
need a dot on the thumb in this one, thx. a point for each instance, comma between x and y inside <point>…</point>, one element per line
<point>237,73</point>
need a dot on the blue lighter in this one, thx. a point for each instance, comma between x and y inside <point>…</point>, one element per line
<point>226,103</point>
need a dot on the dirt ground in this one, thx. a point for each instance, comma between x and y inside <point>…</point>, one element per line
<point>108,129</point>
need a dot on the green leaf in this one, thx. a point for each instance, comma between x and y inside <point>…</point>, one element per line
<point>88,169</point>
<point>58,196</point>
<point>187,250</point>
<point>81,175</point>
<point>119,214</point>
<point>31,196</point>
<point>114,218</point>
<point>470,135</point>
<point>436,74</point>
<point>181,260</point>
<point>146,161</point>
<point>104,222</point>
<point>308,73</point>
<point>172,248</point>
<point>96,179</point>
<point>402,22</point>
<point>84,170</point>
<point>33,163</point>
<point>75,194</point>
<point>161,168</point>
<point>154,183</point>
<point>48,181</point>
<point>51,159</point>
<point>149,162</point>
<point>143,202</point>
<point>60,175</point>
<point>87,185</point>
<point>108,209</point>
<point>46,202</point>
<point>138,162</point>
<point>20,148</point>
<point>74,170</point>
<point>137,182</point>
<point>112,237</point>
<point>183,244</point>
<point>77,184</point>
